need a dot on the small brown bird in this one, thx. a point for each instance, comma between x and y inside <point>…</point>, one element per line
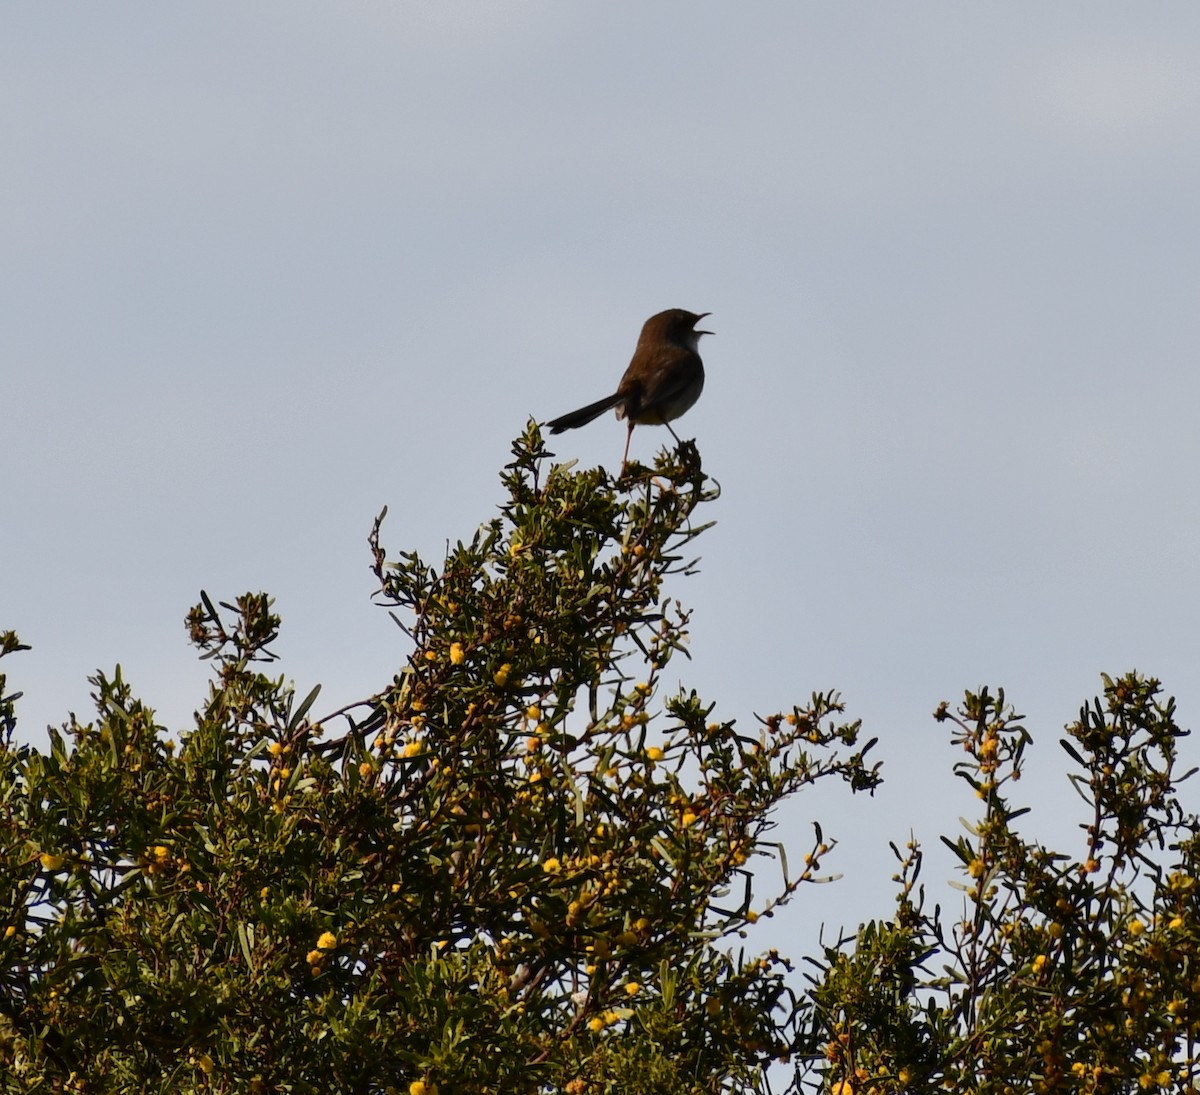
<point>664,378</point>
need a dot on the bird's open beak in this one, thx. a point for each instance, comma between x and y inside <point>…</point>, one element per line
<point>699,318</point>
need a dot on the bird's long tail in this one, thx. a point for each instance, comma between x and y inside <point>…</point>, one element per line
<point>584,415</point>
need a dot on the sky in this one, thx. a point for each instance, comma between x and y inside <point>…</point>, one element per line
<point>268,268</point>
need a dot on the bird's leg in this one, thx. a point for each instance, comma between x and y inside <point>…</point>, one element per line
<point>628,438</point>
<point>673,433</point>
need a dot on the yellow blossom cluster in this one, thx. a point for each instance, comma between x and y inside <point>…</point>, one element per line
<point>326,942</point>
<point>604,1020</point>
<point>280,772</point>
<point>157,858</point>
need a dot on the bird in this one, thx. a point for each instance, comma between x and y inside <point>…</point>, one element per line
<point>664,379</point>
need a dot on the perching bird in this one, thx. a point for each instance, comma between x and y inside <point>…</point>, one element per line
<point>664,378</point>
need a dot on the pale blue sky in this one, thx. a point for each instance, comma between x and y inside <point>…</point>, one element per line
<point>268,267</point>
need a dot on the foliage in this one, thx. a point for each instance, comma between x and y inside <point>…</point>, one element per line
<point>526,866</point>
<point>1064,973</point>
<point>511,870</point>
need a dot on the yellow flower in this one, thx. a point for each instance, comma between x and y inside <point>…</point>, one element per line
<point>501,675</point>
<point>264,893</point>
<point>413,748</point>
<point>751,916</point>
<point>327,941</point>
<point>457,657</point>
<point>314,958</point>
<point>9,932</point>
<point>274,748</point>
<point>206,1064</point>
<point>533,713</point>
<point>632,988</point>
<point>1039,963</point>
<point>552,866</point>
<point>365,769</point>
<point>654,753</point>
<point>1136,927</point>
<point>431,655</point>
<point>596,1025</point>
<point>51,862</point>
<point>688,818</point>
